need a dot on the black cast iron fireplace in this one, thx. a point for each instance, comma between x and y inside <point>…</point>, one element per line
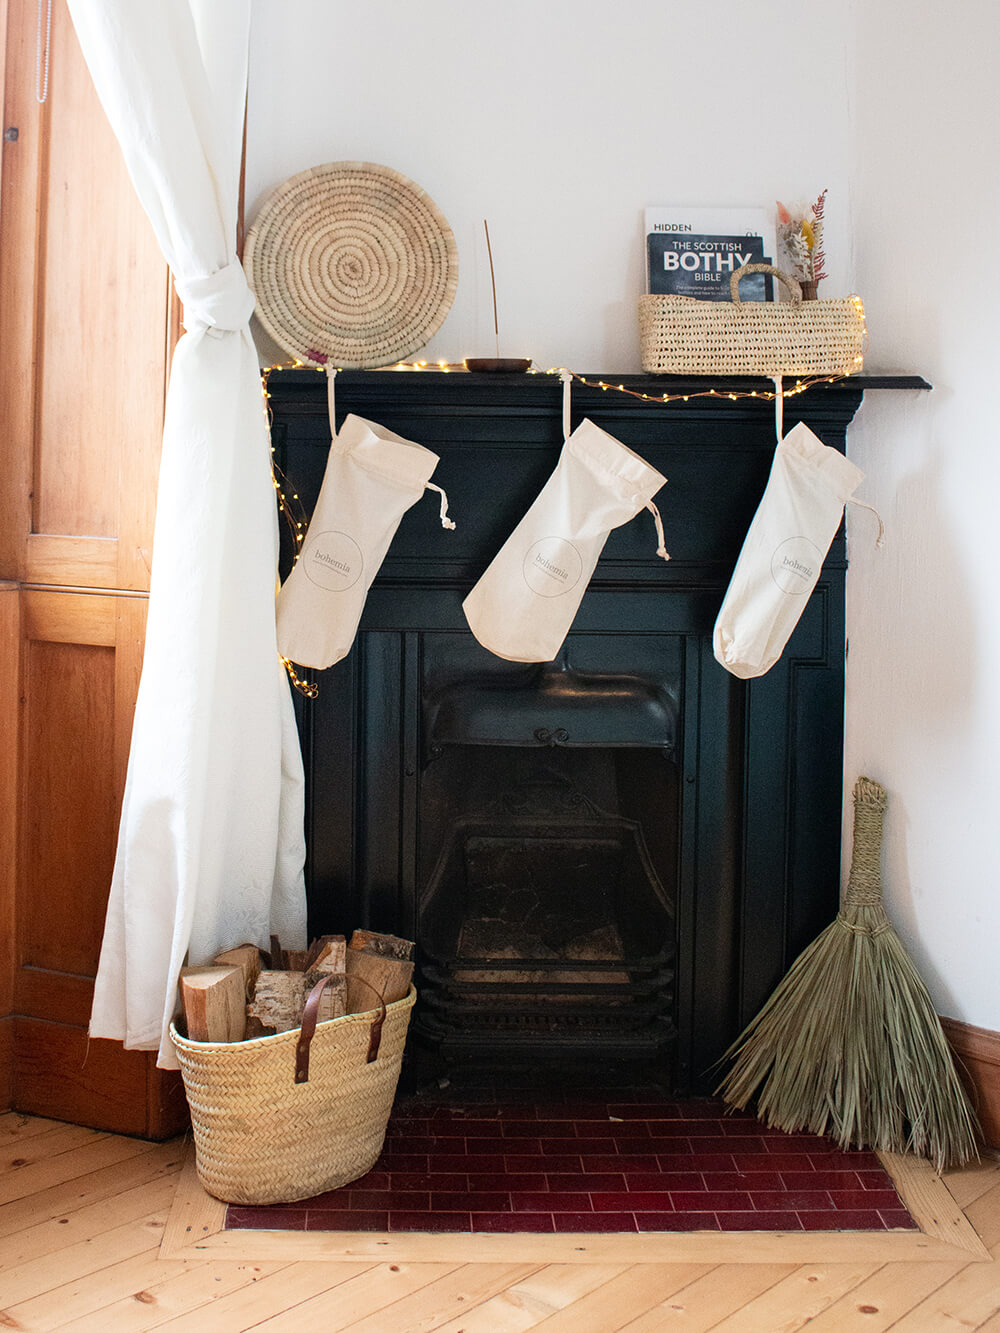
<point>612,857</point>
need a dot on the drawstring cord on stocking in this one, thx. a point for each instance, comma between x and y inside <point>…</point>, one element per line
<point>779,407</point>
<point>331,400</point>
<point>661,550</point>
<point>446,522</point>
<point>567,381</point>
<point>880,539</point>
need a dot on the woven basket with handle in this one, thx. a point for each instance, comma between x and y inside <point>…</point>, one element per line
<point>288,1116</point>
<point>680,335</point>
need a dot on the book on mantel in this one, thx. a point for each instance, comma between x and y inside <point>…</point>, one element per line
<point>694,251</point>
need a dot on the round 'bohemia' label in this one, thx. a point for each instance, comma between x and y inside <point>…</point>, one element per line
<point>333,560</point>
<point>795,566</point>
<point>552,566</point>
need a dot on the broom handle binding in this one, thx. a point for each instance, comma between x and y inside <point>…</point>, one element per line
<point>864,885</point>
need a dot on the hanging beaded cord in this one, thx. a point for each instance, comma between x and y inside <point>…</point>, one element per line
<point>42,46</point>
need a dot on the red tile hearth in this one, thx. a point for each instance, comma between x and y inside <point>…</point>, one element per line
<point>505,1160</point>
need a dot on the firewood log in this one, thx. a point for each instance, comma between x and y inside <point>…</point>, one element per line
<point>213,1000</point>
<point>384,962</point>
<point>278,999</point>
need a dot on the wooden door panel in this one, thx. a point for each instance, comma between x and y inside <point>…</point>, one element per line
<point>80,665</point>
<point>84,326</point>
<point>70,819</point>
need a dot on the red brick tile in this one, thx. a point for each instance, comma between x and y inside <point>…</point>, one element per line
<point>467,1128</point>
<point>738,1180</point>
<point>539,1129</point>
<point>874,1180</point>
<point>647,1201</point>
<point>615,1162</point>
<point>411,1128</point>
<point>709,1108</point>
<point>710,1201</point>
<point>666,1110</point>
<point>602,1222</point>
<point>865,1199</point>
<point>848,1161</point>
<point>324,1220</point>
<point>745,1144</point>
<point>595,1145</point>
<point>523,1222</point>
<point>333,1201</point>
<point>425,1180</point>
<point>402,1221</point>
<point>615,1129</point>
<point>241,1218</point>
<point>578,1111</point>
<point>663,1180</point>
<point>783,1221</point>
<point>817,1180</point>
<point>682,1146</point>
<point>895,1218</point>
<point>737,1129</point>
<point>699,1161</point>
<point>810,1143</point>
<point>401,1162</point>
<point>411,1145</point>
<point>518,1181</point>
<point>644,1111</point>
<point>385,1200</point>
<point>481,1163</point>
<point>493,1160</point>
<point>773,1162</point>
<point>794,1200</point>
<point>677,1221</point>
<point>480,1201</point>
<point>552,1201</point>
<point>372,1180</point>
<point>589,1181</point>
<point>859,1219</point>
<point>551,1164</point>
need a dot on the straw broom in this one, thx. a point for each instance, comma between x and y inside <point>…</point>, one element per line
<point>849,1043</point>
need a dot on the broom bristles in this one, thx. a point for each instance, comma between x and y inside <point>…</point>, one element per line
<point>849,1044</point>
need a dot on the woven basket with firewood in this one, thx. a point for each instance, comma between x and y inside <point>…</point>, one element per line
<point>290,1068</point>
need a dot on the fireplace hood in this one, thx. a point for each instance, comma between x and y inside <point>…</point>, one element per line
<point>551,703</point>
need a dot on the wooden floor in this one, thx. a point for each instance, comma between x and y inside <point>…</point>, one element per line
<point>83,1215</point>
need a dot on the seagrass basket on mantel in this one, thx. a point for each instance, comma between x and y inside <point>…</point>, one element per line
<point>289,1116</point>
<point>681,335</point>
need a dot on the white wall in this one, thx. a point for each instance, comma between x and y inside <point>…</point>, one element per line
<point>923,706</point>
<point>559,121</point>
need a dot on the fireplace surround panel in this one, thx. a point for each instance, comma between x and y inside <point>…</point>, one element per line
<point>613,855</point>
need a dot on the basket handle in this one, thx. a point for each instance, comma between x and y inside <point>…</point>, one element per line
<point>780,274</point>
<point>310,1014</point>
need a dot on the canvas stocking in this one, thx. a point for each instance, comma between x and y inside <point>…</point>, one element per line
<point>783,552</point>
<point>372,477</point>
<point>522,607</point>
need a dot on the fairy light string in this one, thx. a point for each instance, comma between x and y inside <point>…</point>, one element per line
<point>293,511</point>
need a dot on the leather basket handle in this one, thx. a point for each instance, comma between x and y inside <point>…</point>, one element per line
<point>308,1029</point>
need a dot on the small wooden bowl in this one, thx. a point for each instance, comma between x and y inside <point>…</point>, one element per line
<point>501,365</point>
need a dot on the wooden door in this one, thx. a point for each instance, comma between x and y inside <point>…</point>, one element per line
<point>86,325</point>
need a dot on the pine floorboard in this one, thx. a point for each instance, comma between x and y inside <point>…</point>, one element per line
<point>83,1214</point>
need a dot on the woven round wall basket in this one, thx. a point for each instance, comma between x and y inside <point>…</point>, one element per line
<point>352,265</point>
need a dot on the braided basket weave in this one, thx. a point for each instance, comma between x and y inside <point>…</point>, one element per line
<point>680,335</point>
<point>352,265</point>
<point>261,1138</point>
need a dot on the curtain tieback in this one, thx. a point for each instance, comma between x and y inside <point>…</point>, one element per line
<point>220,303</point>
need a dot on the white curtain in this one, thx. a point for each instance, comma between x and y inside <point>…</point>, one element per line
<point>210,849</point>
